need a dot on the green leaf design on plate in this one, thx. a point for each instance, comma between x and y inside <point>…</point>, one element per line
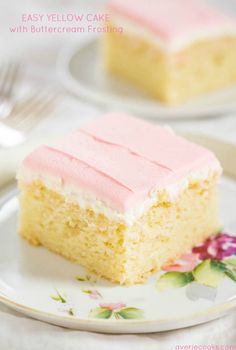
<point>86,291</point>
<point>58,297</point>
<point>231,273</point>
<point>100,312</point>
<point>129,313</point>
<point>91,292</point>
<point>209,272</point>
<point>80,279</point>
<point>71,312</point>
<point>91,279</point>
<point>87,278</point>
<point>174,279</point>
<point>117,315</point>
<point>218,265</point>
<point>231,267</point>
<point>230,261</point>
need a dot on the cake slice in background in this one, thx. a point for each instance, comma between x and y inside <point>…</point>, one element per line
<point>172,49</point>
<point>120,196</point>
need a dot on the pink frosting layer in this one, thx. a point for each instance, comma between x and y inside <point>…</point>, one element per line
<point>120,159</point>
<point>172,19</point>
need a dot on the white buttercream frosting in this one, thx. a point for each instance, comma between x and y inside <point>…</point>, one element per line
<point>88,200</point>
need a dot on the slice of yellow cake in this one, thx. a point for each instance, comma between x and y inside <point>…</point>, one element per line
<point>120,196</point>
<point>172,49</point>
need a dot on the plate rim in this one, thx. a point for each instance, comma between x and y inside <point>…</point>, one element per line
<point>102,100</point>
<point>218,310</point>
<point>194,319</point>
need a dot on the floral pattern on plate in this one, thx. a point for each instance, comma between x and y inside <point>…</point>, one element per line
<point>92,293</point>
<point>65,305</point>
<point>116,310</point>
<point>203,268</point>
<point>207,264</point>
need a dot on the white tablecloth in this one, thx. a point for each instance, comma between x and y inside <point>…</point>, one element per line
<point>21,333</point>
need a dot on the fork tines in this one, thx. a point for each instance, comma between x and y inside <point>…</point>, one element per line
<point>34,109</point>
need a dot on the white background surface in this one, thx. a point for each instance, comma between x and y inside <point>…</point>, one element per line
<point>39,53</point>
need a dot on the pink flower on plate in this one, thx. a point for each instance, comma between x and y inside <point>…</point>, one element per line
<point>217,247</point>
<point>92,293</point>
<point>95,294</point>
<point>112,306</point>
<point>185,264</point>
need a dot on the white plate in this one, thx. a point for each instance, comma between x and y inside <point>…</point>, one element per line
<point>31,278</point>
<point>81,71</point>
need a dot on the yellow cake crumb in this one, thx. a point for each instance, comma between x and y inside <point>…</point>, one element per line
<point>172,77</point>
<point>110,248</point>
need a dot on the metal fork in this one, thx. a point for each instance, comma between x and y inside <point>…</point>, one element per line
<point>9,74</point>
<point>25,116</point>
